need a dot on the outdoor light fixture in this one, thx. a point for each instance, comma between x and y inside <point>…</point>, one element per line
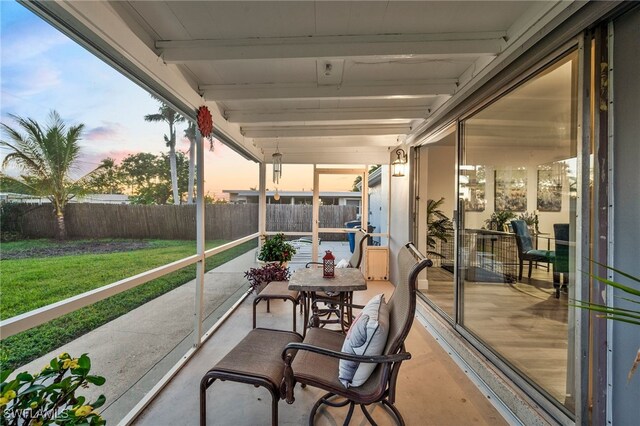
<point>398,165</point>
<point>277,166</point>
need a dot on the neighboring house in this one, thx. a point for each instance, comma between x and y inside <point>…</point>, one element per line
<point>337,198</point>
<point>88,198</point>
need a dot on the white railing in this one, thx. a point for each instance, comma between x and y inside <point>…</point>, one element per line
<point>50,312</point>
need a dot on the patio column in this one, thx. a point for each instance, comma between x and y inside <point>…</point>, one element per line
<point>200,235</point>
<point>262,202</point>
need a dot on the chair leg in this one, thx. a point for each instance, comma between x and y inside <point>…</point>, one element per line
<point>255,304</point>
<point>294,314</point>
<point>520,273</point>
<point>204,384</point>
<point>530,268</point>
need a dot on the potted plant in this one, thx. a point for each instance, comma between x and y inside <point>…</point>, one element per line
<point>439,226</point>
<point>531,219</point>
<point>276,249</point>
<point>499,219</point>
<point>260,277</point>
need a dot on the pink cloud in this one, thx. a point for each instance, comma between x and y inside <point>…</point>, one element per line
<point>109,131</point>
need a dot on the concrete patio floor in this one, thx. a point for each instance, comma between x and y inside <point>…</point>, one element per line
<point>432,389</point>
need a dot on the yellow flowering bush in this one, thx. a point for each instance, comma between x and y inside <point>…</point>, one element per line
<point>49,397</point>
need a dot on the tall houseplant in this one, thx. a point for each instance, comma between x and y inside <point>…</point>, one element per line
<point>439,226</point>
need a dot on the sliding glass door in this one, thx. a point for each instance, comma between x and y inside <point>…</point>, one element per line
<point>517,198</point>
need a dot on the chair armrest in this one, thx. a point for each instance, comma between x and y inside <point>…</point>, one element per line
<point>312,263</point>
<point>289,352</point>
<point>372,359</point>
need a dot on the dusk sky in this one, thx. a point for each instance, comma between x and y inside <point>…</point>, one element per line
<point>42,69</point>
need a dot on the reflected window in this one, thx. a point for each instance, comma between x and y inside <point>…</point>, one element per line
<point>517,265</point>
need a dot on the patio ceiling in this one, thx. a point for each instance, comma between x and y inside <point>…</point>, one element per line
<point>313,78</point>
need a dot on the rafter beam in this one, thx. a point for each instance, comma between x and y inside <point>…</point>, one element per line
<point>324,114</point>
<point>319,130</point>
<point>313,143</point>
<point>409,89</point>
<point>344,46</point>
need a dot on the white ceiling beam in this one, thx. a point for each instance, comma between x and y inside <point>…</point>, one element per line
<point>363,156</point>
<point>312,143</point>
<point>394,89</point>
<point>344,46</point>
<point>324,114</point>
<point>318,130</point>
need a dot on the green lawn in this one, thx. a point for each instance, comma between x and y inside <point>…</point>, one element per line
<point>31,283</point>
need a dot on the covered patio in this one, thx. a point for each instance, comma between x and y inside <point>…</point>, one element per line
<point>432,388</point>
<point>340,87</point>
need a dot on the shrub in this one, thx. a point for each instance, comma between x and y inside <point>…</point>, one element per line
<point>266,274</point>
<point>49,397</point>
<point>276,249</point>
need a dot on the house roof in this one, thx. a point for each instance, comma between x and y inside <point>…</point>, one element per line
<point>253,193</point>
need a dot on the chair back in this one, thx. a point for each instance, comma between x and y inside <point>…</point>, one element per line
<point>523,238</point>
<point>561,235</point>
<point>402,305</point>
<point>356,258</point>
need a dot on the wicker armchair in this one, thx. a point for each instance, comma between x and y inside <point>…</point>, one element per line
<point>315,361</point>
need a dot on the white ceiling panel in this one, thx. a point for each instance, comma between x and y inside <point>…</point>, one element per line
<point>321,69</point>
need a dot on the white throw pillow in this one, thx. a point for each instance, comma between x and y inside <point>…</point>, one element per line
<point>367,336</point>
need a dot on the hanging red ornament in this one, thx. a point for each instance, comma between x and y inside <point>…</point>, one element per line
<point>205,122</point>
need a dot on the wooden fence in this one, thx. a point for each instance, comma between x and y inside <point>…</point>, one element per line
<point>223,221</point>
<point>297,218</point>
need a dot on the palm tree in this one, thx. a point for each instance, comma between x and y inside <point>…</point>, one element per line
<point>171,117</point>
<point>46,156</point>
<point>190,133</point>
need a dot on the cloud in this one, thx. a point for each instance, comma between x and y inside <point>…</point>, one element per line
<point>109,131</point>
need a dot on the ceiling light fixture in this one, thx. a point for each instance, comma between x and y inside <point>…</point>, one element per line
<point>398,165</point>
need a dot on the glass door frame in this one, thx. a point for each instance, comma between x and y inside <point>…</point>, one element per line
<point>364,203</point>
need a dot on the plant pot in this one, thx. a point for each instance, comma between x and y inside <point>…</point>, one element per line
<point>262,262</point>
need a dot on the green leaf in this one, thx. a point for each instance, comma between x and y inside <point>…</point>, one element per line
<point>25,377</point>
<point>31,389</point>
<point>624,274</point>
<point>84,362</point>
<point>99,402</point>
<point>55,364</point>
<point>617,285</point>
<point>96,380</point>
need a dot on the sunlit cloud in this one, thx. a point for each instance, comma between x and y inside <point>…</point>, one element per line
<point>109,131</point>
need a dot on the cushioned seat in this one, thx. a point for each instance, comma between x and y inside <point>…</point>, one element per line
<point>255,360</point>
<point>277,290</point>
<point>315,361</point>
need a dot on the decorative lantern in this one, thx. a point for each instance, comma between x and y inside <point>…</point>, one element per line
<point>398,165</point>
<point>328,265</point>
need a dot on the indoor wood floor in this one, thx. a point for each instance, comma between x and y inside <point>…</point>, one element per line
<point>523,322</point>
